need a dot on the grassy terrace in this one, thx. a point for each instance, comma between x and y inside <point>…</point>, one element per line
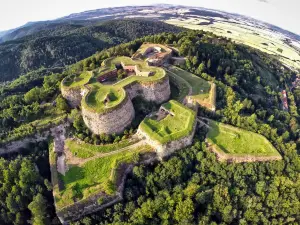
<point>182,85</point>
<point>171,127</point>
<point>74,81</point>
<point>94,100</point>
<point>145,46</point>
<point>201,89</point>
<point>85,150</point>
<point>238,142</point>
<point>95,176</point>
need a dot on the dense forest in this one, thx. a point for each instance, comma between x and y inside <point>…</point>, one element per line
<point>25,187</point>
<point>59,45</point>
<point>191,187</point>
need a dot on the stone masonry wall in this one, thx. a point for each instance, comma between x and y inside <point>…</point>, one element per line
<point>16,146</point>
<point>72,95</point>
<point>157,92</point>
<point>118,119</point>
<point>111,122</point>
<point>164,150</point>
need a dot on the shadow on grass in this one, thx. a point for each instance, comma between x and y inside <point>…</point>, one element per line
<point>75,173</point>
<point>216,131</point>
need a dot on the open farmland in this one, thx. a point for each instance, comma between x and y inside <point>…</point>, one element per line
<point>237,142</point>
<point>242,32</point>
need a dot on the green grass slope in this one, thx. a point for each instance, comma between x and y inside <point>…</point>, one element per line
<point>95,176</point>
<point>238,142</point>
<point>172,127</point>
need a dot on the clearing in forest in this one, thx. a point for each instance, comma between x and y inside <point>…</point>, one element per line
<point>237,142</point>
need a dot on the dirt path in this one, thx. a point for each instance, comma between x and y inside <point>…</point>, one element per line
<point>58,134</point>
<point>101,155</point>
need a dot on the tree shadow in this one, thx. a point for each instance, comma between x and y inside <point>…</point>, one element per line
<point>216,132</point>
<point>75,173</point>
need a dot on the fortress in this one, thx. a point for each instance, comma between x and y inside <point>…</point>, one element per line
<point>107,107</point>
<point>105,97</point>
<point>106,100</point>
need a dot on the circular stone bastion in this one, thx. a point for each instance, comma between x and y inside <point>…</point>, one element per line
<point>113,121</point>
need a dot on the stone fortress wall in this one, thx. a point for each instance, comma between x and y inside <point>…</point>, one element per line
<point>164,150</point>
<point>157,92</point>
<point>117,120</point>
<point>72,95</point>
<point>111,122</point>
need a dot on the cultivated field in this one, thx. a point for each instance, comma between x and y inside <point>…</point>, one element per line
<point>238,142</point>
<point>242,32</point>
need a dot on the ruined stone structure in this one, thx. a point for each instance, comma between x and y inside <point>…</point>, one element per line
<point>73,95</point>
<point>155,54</point>
<point>166,148</point>
<point>152,91</point>
<point>117,120</point>
<point>109,75</point>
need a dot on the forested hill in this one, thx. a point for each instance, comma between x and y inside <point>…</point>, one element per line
<point>64,44</point>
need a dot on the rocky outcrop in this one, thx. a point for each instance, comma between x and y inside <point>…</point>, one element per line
<point>112,122</point>
<point>73,95</point>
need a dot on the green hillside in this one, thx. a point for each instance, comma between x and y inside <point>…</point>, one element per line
<point>61,45</point>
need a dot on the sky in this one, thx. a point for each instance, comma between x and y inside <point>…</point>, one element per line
<point>283,13</point>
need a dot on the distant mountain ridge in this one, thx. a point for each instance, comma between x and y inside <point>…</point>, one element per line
<point>62,44</point>
<point>160,12</point>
